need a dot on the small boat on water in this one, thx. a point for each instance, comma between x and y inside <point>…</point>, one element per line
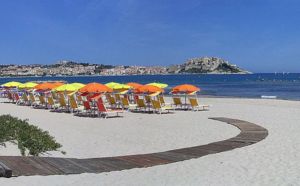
<point>268,97</point>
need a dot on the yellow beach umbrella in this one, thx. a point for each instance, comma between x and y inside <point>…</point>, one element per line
<point>118,86</point>
<point>160,85</point>
<point>11,84</point>
<point>121,86</point>
<point>68,88</point>
<point>27,85</point>
<point>112,84</point>
<point>78,84</point>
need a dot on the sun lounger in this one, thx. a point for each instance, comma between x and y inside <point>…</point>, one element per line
<point>51,103</point>
<point>159,108</point>
<point>103,111</point>
<point>111,101</point>
<point>42,103</point>
<point>195,105</point>
<point>141,104</point>
<point>162,101</point>
<point>87,107</point>
<point>62,102</point>
<point>10,96</point>
<point>148,99</point>
<point>32,100</point>
<point>135,98</point>
<point>127,105</point>
<point>25,99</point>
<point>17,98</point>
<point>177,102</point>
<point>79,99</point>
<point>118,97</point>
<point>73,104</point>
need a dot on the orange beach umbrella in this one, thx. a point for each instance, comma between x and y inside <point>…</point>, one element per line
<point>134,85</point>
<point>186,88</point>
<point>95,88</point>
<point>48,85</point>
<point>149,89</point>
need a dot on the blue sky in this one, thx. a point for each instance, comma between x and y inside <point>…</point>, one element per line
<point>258,35</point>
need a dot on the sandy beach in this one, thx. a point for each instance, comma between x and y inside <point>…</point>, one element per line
<point>274,160</point>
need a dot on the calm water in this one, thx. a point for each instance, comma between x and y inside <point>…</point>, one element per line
<point>284,86</point>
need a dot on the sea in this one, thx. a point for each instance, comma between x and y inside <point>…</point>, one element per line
<point>260,85</point>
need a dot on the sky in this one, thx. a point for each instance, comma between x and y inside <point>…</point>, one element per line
<point>257,35</point>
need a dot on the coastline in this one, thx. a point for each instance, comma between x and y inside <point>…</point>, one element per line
<point>97,75</point>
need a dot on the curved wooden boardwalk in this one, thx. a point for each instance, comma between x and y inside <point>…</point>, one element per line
<point>28,166</point>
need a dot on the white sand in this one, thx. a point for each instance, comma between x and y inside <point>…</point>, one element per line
<point>274,161</point>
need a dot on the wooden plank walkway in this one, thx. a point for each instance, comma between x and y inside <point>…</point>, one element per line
<point>28,166</point>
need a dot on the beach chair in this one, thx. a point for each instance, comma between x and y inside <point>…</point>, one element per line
<point>141,104</point>
<point>25,99</point>
<point>118,97</point>
<point>112,102</point>
<point>42,103</point>
<point>148,99</point>
<point>135,98</point>
<point>103,111</point>
<point>159,108</point>
<point>79,99</point>
<point>10,96</point>
<point>17,99</point>
<point>162,101</point>
<point>177,102</point>
<point>51,104</point>
<point>73,104</point>
<point>62,102</point>
<point>127,105</point>
<point>195,105</point>
<point>32,100</point>
<point>54,95</point>
<point>87,107</point>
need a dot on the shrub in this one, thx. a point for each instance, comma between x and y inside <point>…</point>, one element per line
<point>29,138</point>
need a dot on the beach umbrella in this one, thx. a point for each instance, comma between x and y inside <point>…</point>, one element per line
<point>47,86</point>
<point>112,84</point>
<point>148,89</point>
<point>185,88</point>
<point>121,87</point>
<point>160,85</point>
<point>95,88</point>
<point>68,87</point>
<point>134,85</point>
<point>118,86</point>
<point>11,84</point>
<point>27,85</point>
<point>78,84</point>
<point>57,84</point>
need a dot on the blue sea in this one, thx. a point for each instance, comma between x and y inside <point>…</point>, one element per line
<point>283,86</point>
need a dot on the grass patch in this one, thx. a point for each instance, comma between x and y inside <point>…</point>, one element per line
<point>30,139</point>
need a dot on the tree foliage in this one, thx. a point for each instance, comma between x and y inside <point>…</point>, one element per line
<point>30,139</point>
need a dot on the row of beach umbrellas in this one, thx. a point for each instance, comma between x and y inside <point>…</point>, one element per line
<point>101,88</point>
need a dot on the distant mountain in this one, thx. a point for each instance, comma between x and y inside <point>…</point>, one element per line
<point>212,65</point>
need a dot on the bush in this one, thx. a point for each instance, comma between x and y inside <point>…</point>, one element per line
<point>29,138</point>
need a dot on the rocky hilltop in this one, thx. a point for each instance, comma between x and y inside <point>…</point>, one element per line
<point>211,65</point>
